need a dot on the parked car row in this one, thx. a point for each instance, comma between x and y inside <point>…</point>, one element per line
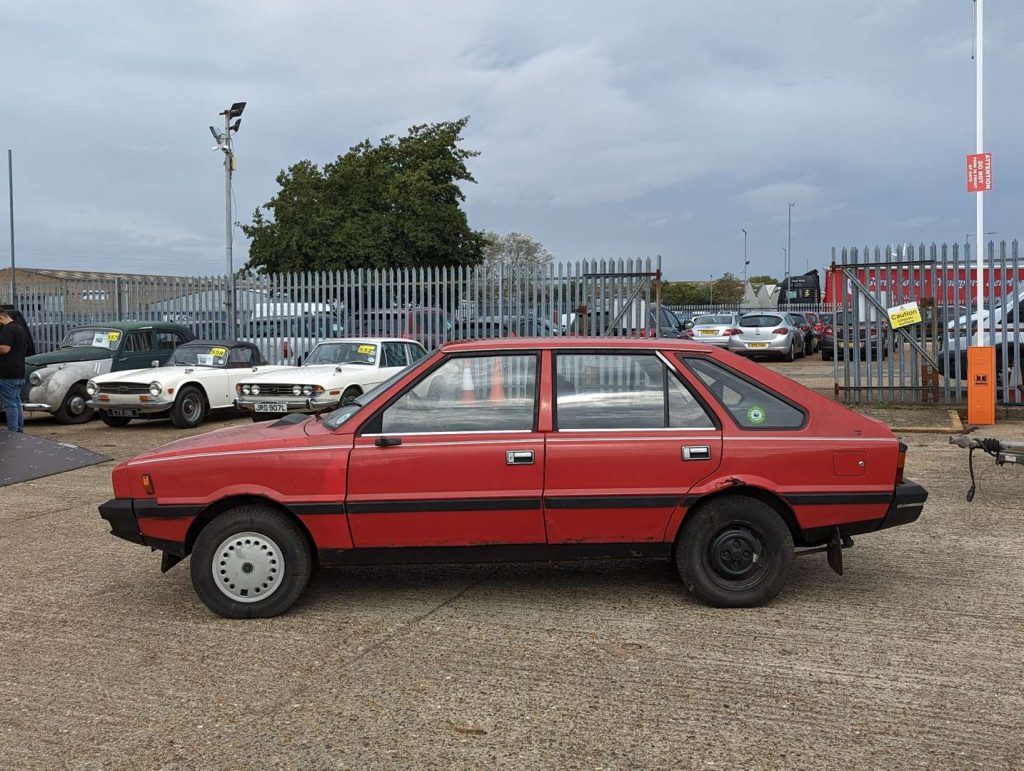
<point>788,335</point>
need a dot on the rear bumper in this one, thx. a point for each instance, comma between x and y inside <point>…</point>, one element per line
<point>906,506</point>
<point>37,407</point>
<point>120,515</point>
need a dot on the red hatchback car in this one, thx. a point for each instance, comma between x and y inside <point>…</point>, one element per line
<point>526,449</point>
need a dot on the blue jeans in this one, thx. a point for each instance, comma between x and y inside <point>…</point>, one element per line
<point>10,398</point>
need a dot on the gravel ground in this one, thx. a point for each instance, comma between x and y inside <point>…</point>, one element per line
<point>912,659</point>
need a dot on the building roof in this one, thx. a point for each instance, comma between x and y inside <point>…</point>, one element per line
<point>91,275</point>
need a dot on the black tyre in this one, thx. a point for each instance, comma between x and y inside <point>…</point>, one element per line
<point>350,395</point>
<point>826,356</point>
<point>189,408</point>
<point>74,408</point>
<point>808,347</point>
<point>250,562</point>
<point>791,354</point>
<point>114,421</point>
<point>263,417</point>
<point>734,552</point>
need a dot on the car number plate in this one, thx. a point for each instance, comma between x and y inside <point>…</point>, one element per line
<point>757,345</point>
<point>123,413</point>
<point>708,332</point>
<point>271,407</point>
<point>851,345</point>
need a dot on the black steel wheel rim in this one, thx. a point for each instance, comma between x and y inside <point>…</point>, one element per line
<point>737,556</point>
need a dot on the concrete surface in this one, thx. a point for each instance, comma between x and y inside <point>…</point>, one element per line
<point>912,659</point>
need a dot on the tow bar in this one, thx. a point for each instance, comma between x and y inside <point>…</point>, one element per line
<point>1003,452</point>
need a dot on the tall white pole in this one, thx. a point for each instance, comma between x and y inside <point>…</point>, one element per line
<point>979,239</point>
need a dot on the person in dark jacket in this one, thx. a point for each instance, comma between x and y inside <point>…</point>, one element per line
<point>13,343</point>
<point>30,348</point>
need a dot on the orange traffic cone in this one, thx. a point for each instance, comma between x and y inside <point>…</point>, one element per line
<point>468,389</point>
<point>497,392</point>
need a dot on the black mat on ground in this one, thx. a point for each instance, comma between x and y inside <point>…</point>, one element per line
<point>24,457</point>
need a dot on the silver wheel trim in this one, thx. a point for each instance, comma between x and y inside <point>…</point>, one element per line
<point>76,404</point>
<point>247,567</point>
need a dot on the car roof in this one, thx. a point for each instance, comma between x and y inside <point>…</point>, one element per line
<point>222,343</point>
<point>569,343</point>
<point>371,340</point>
<point>133,326</point>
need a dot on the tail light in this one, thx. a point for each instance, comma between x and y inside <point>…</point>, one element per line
<point>729,332</point>
<point>780,331</point>
<point>873,331</point>
<point>689,333</point>
<point>828,330</point>
<point>643,332</point>
<point>284,349</point>
<point>901,461</point>
<point>804,327</point>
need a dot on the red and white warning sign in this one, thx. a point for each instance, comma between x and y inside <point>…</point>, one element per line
<point>979,172</point>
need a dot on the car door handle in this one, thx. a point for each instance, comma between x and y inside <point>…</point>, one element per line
<point>519,457</point>
<point>697,452</point>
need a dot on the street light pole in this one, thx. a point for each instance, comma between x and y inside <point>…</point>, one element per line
<point>10,194</point>
<point>745,261</point>
<point>789,238</point>
<point>711,287</point>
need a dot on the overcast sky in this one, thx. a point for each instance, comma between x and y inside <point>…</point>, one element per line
<point>606,129</point>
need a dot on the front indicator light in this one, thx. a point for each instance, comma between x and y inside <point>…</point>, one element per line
<point>147,484</point>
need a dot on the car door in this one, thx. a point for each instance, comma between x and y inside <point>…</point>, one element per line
<point>630,440</point>
<point>136,350</point>
<point>455,460</point>
<point>392,360</point>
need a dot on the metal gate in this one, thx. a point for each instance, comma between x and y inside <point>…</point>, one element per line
<point>925,362</point>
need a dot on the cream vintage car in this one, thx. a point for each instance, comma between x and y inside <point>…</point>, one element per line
<point>335,372</point>
<point>199,377</point>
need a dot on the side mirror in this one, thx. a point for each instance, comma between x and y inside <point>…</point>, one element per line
<point>155,363</point>
<point>687,325</point>
<point>302,358</point>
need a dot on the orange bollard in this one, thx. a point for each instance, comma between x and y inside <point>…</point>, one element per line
<point>497,392</point>
<point>468,389</point>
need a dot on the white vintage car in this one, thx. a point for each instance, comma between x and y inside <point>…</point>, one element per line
<point>199,377</point>
<point>335,372</point>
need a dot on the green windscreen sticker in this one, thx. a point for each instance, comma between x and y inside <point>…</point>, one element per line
<point>756,415</point>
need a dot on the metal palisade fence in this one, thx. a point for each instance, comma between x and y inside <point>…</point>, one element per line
<point>286,314</point>
<point>924,362</point>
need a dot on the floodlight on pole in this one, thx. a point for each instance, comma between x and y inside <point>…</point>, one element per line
<point>789,238</point>
<point>979,106</point>
<point>224,144</point>
<point>746,262</point>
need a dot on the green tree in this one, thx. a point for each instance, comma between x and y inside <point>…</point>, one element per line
<point>684,293</point>
<point>394,204</point>
<point>514,250</point>
<point>765,279</point>
<point>728,290</point>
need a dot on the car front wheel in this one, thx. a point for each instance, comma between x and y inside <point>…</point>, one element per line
<point>189,408</point>
<point>74,408</point>
<point>250,562</point>
<point>114,421</point>
<point>734,552</point>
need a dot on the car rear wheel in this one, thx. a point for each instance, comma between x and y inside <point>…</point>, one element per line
<point>734,552</point>
<point>74,408</point>
<point>250,562</point>
<point>791,354</point>
<point>826,355</point>
<point>189,408</point>
<point>114,421</point>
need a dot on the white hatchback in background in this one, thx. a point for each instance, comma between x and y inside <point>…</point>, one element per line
<point>768,334</point>
<point>714,328</point>
<point>335,372</point>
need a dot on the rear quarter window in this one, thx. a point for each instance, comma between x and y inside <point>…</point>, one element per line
<point>751,406</point>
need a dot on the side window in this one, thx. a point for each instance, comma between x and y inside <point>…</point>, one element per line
<point>240,357</point>
<point>137,342</point>
<point>415,352</point>
<point>467,394</point>
<point>612,390</point>
<point>166,341</point>
<point>751,406</point>
<point>394,355</point>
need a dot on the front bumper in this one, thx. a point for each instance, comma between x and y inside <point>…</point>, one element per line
<point>120,514</point>
<point>142,407</point>
<point>38,407</point>
<point>293,405</point>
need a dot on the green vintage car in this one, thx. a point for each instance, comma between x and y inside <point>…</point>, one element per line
<point>55,381</point>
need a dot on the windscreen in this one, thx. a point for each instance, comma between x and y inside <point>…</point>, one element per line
<point>343,353</point>
<point>200,355</point>
<point>92,338</point>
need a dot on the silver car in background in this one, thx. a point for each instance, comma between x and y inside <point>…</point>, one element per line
<point>768,334</point>
<point>714,328</point>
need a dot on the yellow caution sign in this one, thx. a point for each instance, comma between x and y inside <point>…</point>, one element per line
<point>904,315</point>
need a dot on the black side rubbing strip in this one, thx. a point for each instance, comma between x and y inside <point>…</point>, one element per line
<point>456,504</point>
<point>611,502</point>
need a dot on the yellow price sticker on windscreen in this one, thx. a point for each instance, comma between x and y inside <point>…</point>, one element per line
<point>113,336</point>
<point>218,351</point>
<point>367,348</point>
